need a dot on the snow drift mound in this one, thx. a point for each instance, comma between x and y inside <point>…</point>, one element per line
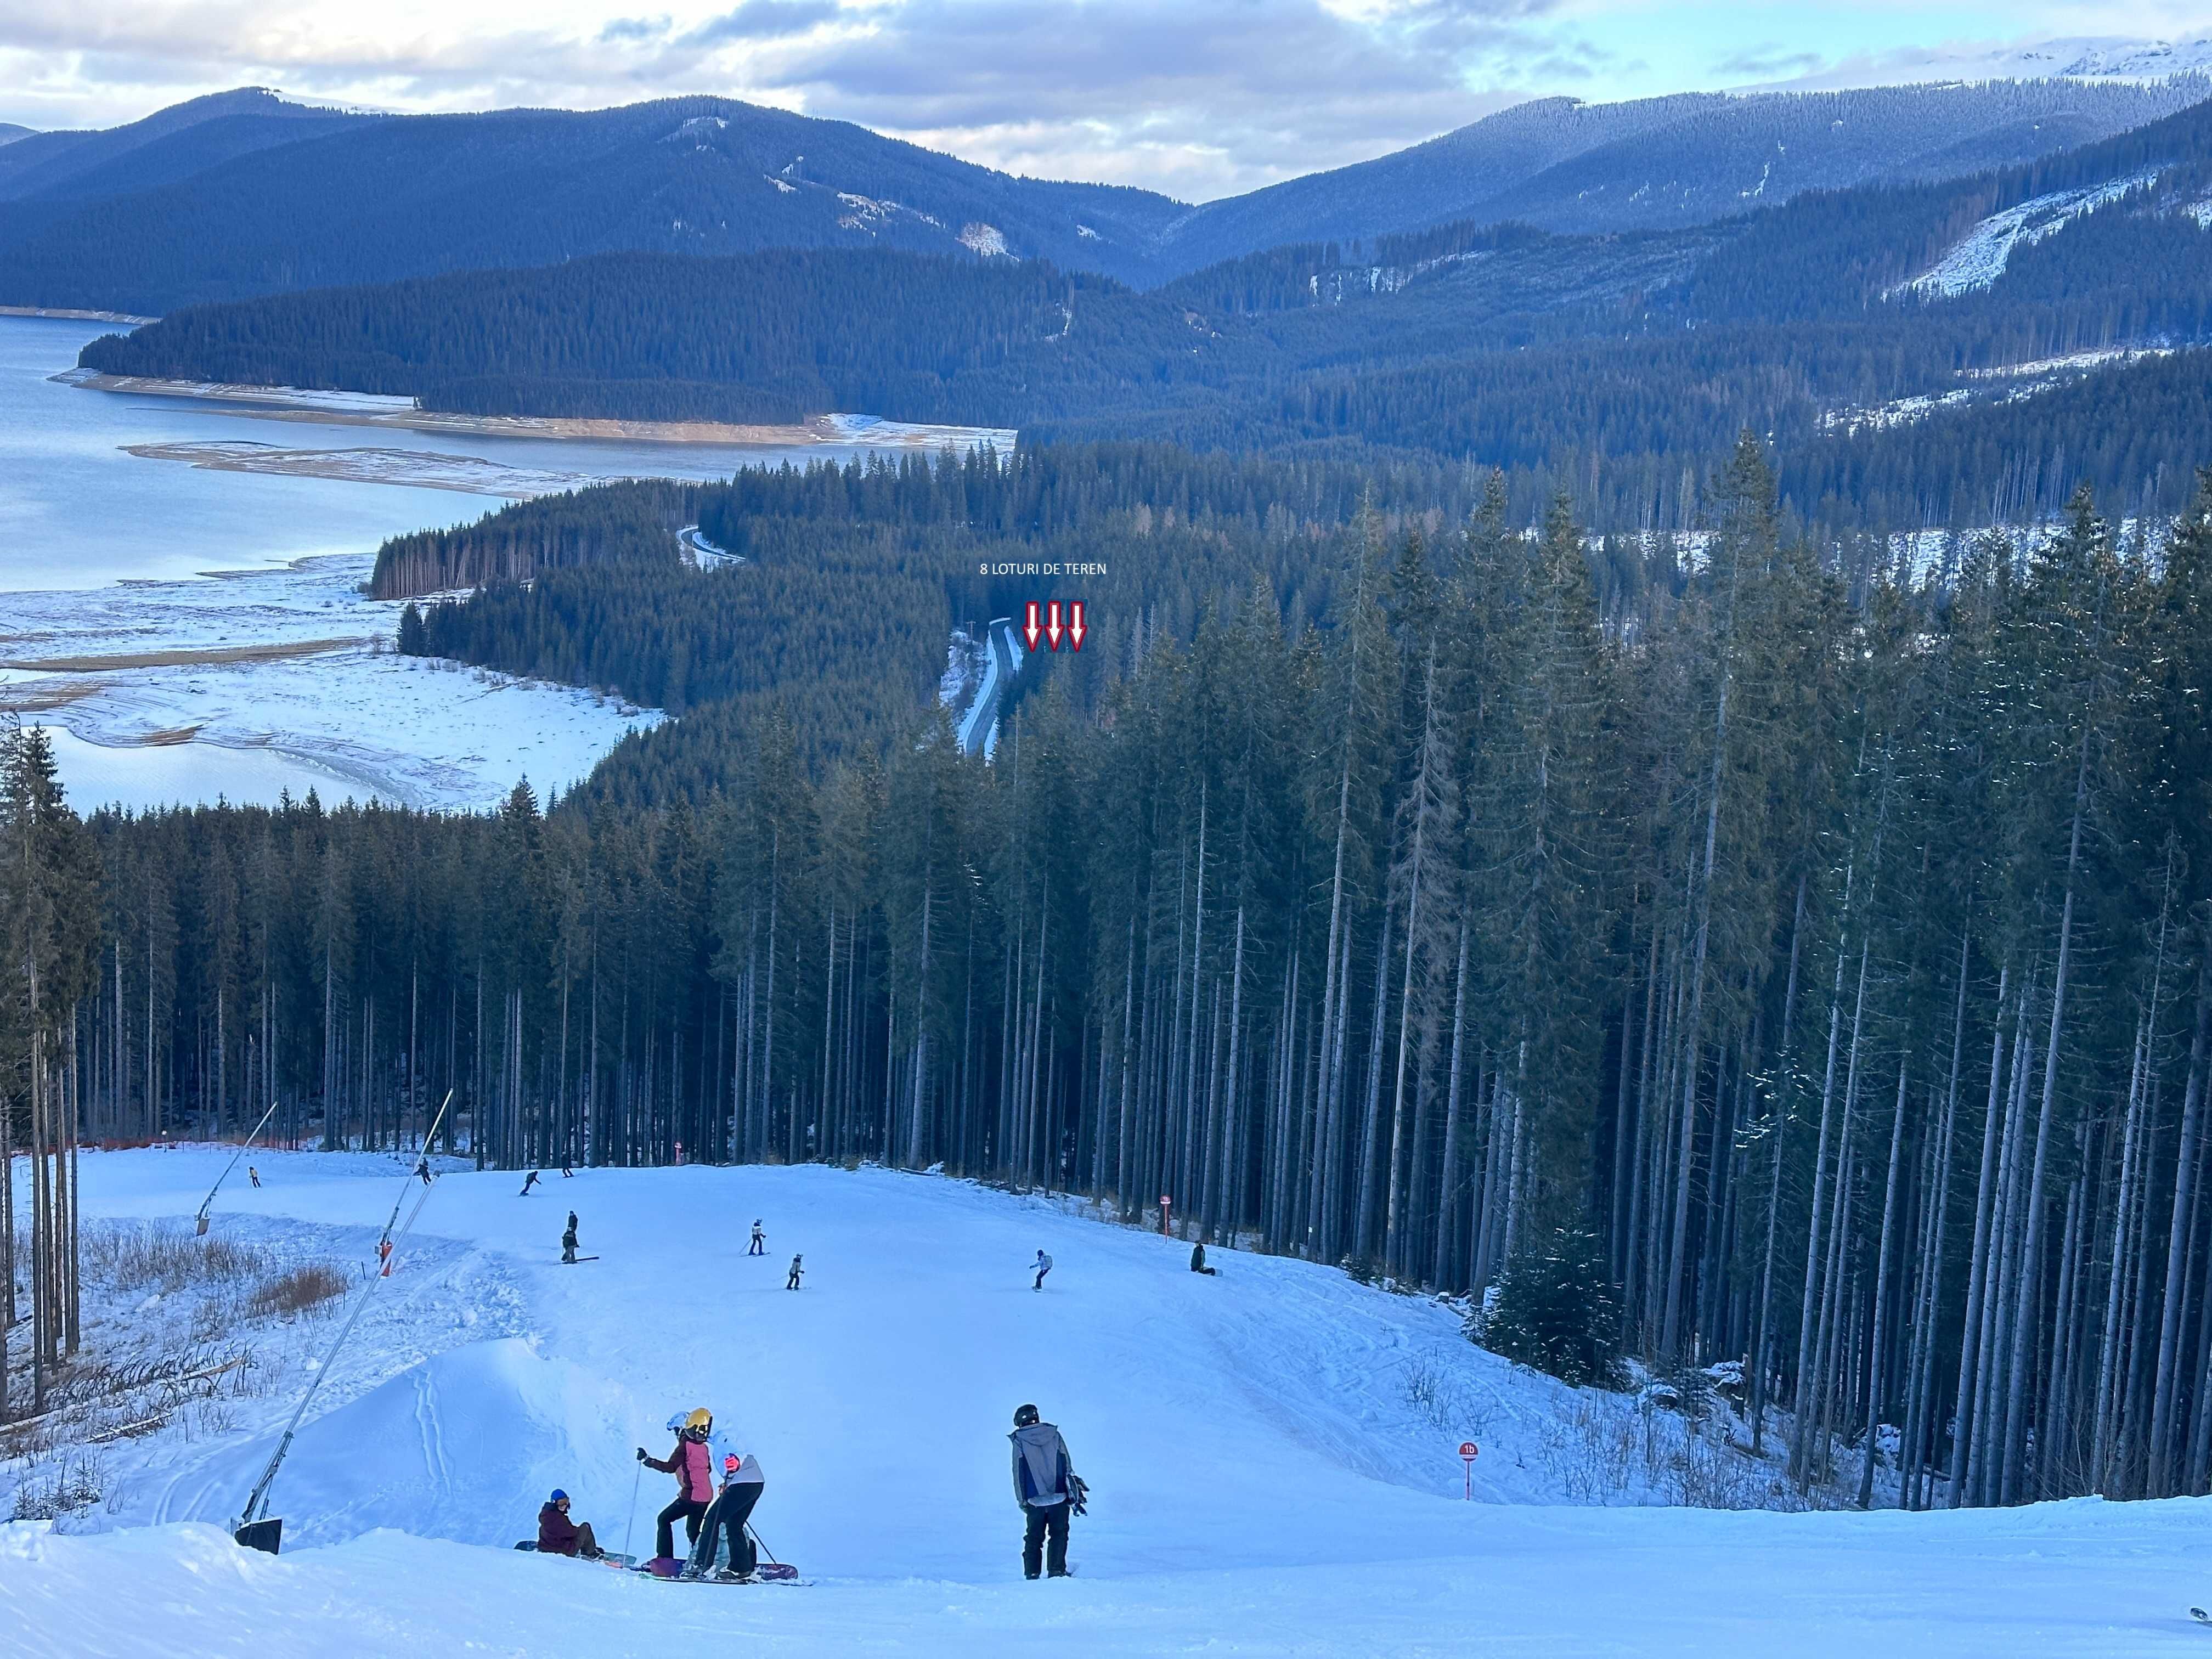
<point>465,1446</point>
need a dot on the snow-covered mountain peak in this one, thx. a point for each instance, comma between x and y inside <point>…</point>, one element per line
<point>2082,57</point>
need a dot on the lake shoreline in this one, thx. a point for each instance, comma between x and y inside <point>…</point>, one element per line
<point>372,409</point>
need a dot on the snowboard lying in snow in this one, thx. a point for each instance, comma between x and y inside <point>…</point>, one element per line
<point>603,1558</point>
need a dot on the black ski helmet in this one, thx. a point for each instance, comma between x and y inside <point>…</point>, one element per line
<point>1024,1415</point>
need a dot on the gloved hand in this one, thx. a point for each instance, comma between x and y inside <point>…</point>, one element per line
<point>641,1454</point>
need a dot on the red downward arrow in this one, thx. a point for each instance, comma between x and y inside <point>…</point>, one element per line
<point>1031,631</point>
<point>1075,627</point>
<point>1052,629</point>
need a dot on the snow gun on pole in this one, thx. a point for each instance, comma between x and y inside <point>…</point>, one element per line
<point>200,1221</point>
<point>254,1528</point>
<point>384,1239</point>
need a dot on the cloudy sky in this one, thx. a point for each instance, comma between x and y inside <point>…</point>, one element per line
<point>1198,98</point>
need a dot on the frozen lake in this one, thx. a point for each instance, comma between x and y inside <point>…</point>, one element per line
<point>143,778</point>
<point>76,511</point>
<point>101,558</point>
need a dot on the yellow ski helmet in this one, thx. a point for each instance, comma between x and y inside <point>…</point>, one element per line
<point>701,1418</point>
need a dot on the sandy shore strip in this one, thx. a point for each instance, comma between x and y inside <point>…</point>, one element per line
<point>65,314</point>
<point>366,409</point>
<point>467,475</point>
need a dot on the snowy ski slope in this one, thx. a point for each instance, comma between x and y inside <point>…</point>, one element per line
<point>1264,1481</point>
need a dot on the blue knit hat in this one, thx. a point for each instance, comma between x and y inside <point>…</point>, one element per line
<point>559,1497</point>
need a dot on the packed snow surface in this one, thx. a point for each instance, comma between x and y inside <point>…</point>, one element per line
<point>1262,1480</point>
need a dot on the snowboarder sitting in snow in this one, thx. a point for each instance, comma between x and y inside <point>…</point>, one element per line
<point>568,1240</point>
<point>1198,1261</point>
<point>759,1246</point>
<point>1047,1491</point>
<point>693,1466</point>
<point>558,1535</point>
<point>742,1486</point>
<point>792,1283</point>
<point>1043,1266</point>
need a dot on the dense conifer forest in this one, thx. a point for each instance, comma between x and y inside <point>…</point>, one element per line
<point>1830,959</point>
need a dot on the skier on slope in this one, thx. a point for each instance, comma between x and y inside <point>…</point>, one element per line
<point>1043,1265</point>
<point>792,1283</point>
<point>528,1181</point>
<point>742,1486</point>
<point>558,1535</point>
<point>254,1175</point>
<point>692,1463</point>
<point>759,1246</point>
<point>423,1169</point>
<point>1047,1489</point>
<point>568,1240</point>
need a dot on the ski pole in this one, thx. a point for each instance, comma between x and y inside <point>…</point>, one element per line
<point>762,1542</point>
<point>629,1524</point>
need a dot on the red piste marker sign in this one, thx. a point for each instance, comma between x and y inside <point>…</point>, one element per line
<point>1468,1451</point>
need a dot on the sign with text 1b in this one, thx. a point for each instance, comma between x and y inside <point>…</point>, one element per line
<point>1468,1451</point>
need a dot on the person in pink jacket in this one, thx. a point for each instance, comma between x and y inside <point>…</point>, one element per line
<point>692,1463</point>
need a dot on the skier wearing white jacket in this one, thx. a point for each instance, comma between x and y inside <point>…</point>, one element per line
<point>742,1486</point>
<point>1048,1491</point>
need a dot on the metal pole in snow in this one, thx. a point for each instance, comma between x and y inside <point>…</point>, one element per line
<point>200,1221</point>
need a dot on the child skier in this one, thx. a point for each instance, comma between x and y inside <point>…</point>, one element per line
<point>742,1486</point>
<point>1047,1491</point>
<point>1043,1266</point>
<point>558,1535</point>
<point>759,1246</point>
<point>692,1464</point>
<point>792,1283</point>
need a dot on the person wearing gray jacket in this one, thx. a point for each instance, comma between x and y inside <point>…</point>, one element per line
<point>1046,1487</point>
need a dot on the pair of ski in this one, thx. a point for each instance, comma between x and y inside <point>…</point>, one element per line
<point>767,1572</point>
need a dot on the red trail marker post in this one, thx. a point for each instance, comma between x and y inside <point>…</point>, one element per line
<point>1468,1451</point>
<point>1165,1202</point>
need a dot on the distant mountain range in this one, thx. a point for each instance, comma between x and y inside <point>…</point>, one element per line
<point>248,192</point>
<point>2083,58</point>
<point>1961,350</point>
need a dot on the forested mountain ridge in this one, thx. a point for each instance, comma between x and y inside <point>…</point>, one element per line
<point>763,336</point>
<point>1664,163</point>
<point>1916,352</point>
<point>167,145</point>
<point>347,199</point>
<point>397,197</point>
